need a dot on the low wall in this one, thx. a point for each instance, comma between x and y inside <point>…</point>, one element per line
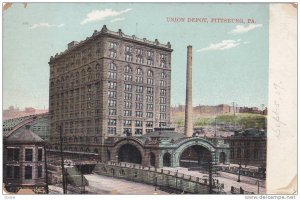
<point>156,177</point>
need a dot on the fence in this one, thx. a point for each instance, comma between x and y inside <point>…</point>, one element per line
<point>164,179</point>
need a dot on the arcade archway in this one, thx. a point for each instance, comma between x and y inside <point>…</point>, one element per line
<point>167,160</point>
<point>195,156</point>
<point>129,153</point>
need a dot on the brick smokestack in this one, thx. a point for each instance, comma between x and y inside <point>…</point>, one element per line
<point>188,125</point>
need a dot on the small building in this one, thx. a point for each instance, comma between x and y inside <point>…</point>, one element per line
<point>24,161</point>
<point>248,147</point>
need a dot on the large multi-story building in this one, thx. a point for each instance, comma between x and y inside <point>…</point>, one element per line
<point>110,84</point>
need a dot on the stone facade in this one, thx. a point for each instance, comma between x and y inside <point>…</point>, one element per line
<point>108,85</point>
<point>23,161</point>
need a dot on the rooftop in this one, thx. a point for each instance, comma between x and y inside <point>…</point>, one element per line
<point>24,136</point>
<point>119,34</point>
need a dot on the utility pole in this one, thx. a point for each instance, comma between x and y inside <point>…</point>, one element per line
<point>62,161</point>
<point>215,127</point>
<point>210,179</point>
<point>257,186</point>
<point>233,109</point>
<point>46,170</point>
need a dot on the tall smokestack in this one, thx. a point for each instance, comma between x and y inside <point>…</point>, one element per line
<point>188,125</point>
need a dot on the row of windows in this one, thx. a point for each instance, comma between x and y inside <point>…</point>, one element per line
<point>14,172</point>
<point>13,154</point>
<point>138,131</point>
<point>139,89</point>
<point>113,112</point>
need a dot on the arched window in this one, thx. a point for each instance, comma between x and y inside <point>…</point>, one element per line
<point>127,69</point>
<point>150,73</point>
<point>139,71</point>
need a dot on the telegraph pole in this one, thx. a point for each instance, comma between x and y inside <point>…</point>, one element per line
<point>62,161</point>
<point>210,179</point>
<point>240,167</point>
<point>46,170</point>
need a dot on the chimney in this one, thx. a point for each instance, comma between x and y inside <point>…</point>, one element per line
<point>188,125</point>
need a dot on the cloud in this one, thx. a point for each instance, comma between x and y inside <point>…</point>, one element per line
<point>240,29</point>
<point>225,44</point>
<point>117,19</point>
<point>98,15</point>
<point>45,25</point>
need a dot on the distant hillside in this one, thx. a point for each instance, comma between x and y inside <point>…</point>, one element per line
<point>245,120</point>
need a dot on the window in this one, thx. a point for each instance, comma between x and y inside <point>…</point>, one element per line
<point>40,171</point>
<point>163,75</point>
<point>149,81</point>
<point>139,89</point>
<point>139,51</point>
<point>163,56</point>
<point>139,106</point>
<point>162,92</point>
<point>112,130</point>
<point>150,62</point>
<point>139,114</point>
<point>28,154</point>
<point>127,122</point>
<point>40,154</point>
<point>112,75</point>
<point>149,90</point>
<point>149,106</point>
<point>163,64</point>
<point>113,66</point>
<point>162,116</point>
<point>127,69</point>
<point>163,108</point>
<point>128,48</point>
<point>139,59</point>
<point>138,123</point>
<point>112,103</point>
<point>149,124</point>
<point>113,45</point>
<point>127,104</point>
<point>112,112</point>
<point>138,131</point>
<point>139,71</point>
<point>162,83</point>
<point>139,97</point>
<point>150,53</point>
<point>128,87</point>
<point>162,100</point>
<point>13,154</point>
<point>149,114</point>
<point>16,172</point>
<point>162,124</point>
<point>112,94</point>
<point>149,98</point>
<point>126,130</point>
<point>9,172</point>
<point>113,54</point>
<point>139,79</point>
<point>128,57</point>
<point>112,122</point>
<point>112,85</point>
<point>127,77</point>
<point>150,73</point>
<point>127,112</point>
<point>127,96</point>
<point>28,172</point>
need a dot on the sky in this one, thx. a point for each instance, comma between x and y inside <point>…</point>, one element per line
<point>230,60</point>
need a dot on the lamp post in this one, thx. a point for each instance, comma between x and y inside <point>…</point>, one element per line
<point>239,176</point>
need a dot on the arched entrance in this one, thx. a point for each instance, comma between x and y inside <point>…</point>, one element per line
<point>167,160</point>
<point>152,159</point>
<point>195,156</point>
<point>222,157</point>
<point>129,153</point>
